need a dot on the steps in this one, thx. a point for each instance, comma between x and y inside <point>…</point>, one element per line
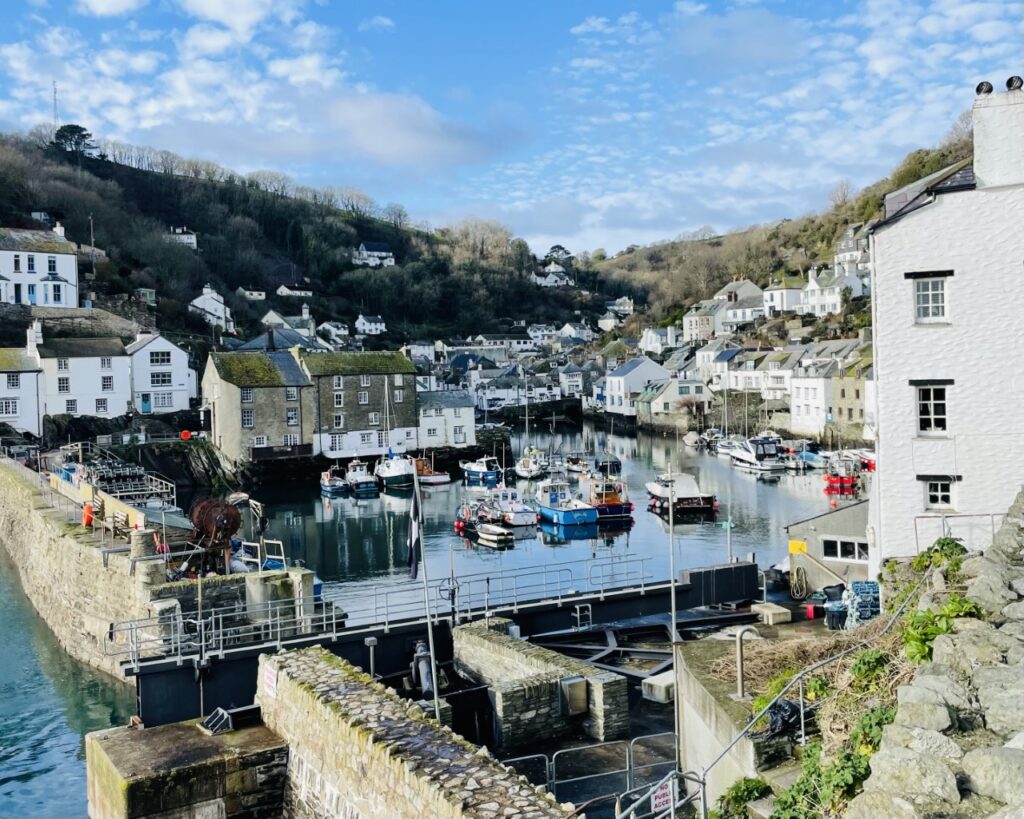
<point>779,779</point>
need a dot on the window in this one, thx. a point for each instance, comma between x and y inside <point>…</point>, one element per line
<point>62,363</point>
<point>14,381</point>
<point>163,400</point>
<point>363,397</point>
<point>339,399</point>
<point>848,550</point>
<point>364,381</point>
<point>259,440</point>
<point>842,392</point>
<point>365,438</point>
<point>337,442</point>
<point>698,390</point>
<point>248,418</point>
<point>51,264</point>
<point>8,407</point>
<point>107,383</point>
<point>458,412</point>
<point>929,299</point>
<point>160,358</point>
<point>684,390</point>
<point>291,416</point>
<point>339,382</point>
<point>664,406</point>
<point>431,432</point>
<point>399,396</point>
<point>408,435</point>
<point>160,379</point>
<point>64,384</point>
<point>247,393</point>
<point>374,419</point>
<point>31,264</point>
<point>71,405</point>
<point>399,380</point>
<point>931,409</point>
<point>938,494</point>
<point>57,297</point>
<point>290,440</point>
<point>856,394</point>
<point>339,420</point>
<point>104,363</point>
<point>17,263</point>
<point>101,406</point>
<point>291,393</point>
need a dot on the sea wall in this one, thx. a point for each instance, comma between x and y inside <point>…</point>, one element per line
<point>525,681</point>
<point>357,750</point>
<point>79,595</point>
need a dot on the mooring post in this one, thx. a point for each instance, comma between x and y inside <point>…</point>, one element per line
<point>740,690</point>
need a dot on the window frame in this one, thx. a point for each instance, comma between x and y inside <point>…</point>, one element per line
<point>106,383</point>
<point>339,382</point>
<point>364,381</point>
<point>71,406</point>
<point>291,393</point>
<point>933,489</point>
<point>14,381</point>
<point>251,416</point>
<point>159,358</point>
<point>339,400</point>
<point>63,384</point>
<point>927,398</point>
<point>363,397</point>
<point>101,410</point>
<point>931,294</point>
<point>9,408</point>
<point>373,419</point>
<point>162,379</point>
<point>291,416</point>
<point>859,548</point>
<point>247,394</point>
<point>399,397</point>
<point>339,420</point>
<point>63,365</point>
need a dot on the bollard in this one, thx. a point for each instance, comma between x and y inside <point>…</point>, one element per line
<point>142,543</point>
<point>740,690</point>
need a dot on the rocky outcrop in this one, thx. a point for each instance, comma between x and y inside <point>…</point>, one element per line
<point>956,747</point>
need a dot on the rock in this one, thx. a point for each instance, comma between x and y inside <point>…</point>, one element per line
<point>1009,813</point>
<point>946,652</point>
<point>991,592</point>
<point>999,690</point>
<point>1018,585</point>
<point>1014,611</point>
<point>1016,741</point>
<point>873,804</point>
<point>997,773</point>
<point>939,679</point>
<point>1014,628</point>
<point>923,741</point>
<point>930,716</point>
<point>916,777</point>
<point>1015,656</point>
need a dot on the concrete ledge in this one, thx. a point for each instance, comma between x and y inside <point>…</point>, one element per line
<point>772,614</point>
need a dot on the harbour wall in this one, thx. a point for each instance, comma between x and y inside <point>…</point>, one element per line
<point>80,592</point>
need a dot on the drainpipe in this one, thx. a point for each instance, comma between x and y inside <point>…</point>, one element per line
<point>740,690</point>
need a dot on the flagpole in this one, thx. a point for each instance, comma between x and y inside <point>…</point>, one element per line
<point>418,511</point>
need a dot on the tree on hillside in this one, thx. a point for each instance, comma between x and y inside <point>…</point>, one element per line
<point>521,258</point>
<point>559,255</point>
<point>356,202</point>
<point>75,140</point>
<point>396,214</point>
<point>961,130</point>
<point>840,194</point>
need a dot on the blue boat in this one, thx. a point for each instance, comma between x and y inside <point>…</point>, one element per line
<point>482,470</point>
<point>555,534</point>
<point>557,504</point>
<point>333,483</point>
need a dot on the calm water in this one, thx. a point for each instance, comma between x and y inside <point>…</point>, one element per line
<point>48,702</point>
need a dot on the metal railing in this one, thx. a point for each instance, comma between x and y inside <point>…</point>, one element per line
<point>699,779</point>
<point>966,527</point>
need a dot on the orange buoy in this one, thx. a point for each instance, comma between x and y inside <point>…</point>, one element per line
<point>87,514</point>
<point>185,435</point>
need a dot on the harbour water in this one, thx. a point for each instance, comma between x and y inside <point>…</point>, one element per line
<point>48,701</point>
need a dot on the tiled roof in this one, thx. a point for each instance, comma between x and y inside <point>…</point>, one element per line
<point>350,363</point>
<point>445,399</point>
<point>81,348</point>
<point>248,369</point>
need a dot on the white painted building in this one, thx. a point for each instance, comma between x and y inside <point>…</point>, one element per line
<point>21,390</point>
<point>542,333</point>
<point>742,311</point>
<point>373,254</point>
<point>623,385</point>
<point>739,290</point>
<point>294,291</point>
<point>335,333</point>
<point>38,267</point>
<point>446,419</point>
<point>183,236</point>
<point>576,329</point>
<point>303,324</point>
<point>704,321</point>
<point>853,254</point>
<point>608,322</point>
<point>657,340</point>
<point>553,275</point>
<point>947,309</point>
<point>370,325</point>
<point>783,296</point>
<point>251,294</point>
<point>823,293</point>
<point>82,376</point>
<point>161,379</point>
<point>209,305</point>
<point>810,398</point>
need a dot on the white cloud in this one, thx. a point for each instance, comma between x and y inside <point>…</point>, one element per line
<point>377,23</point>
<point>309,69</point>
<point>592,25</point>
<point>117,62</point>
<point>203,40</point>
<point>689,8</point>
<point>241,16</point>
<point>108,8</point>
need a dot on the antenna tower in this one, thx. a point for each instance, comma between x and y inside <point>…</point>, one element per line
<point>55,106</point>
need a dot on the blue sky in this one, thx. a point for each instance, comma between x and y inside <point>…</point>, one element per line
<point>592,124</point>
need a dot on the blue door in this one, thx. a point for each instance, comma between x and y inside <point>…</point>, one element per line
<point>31,294</point>
<point>17,293</point>
<point>147,404</point>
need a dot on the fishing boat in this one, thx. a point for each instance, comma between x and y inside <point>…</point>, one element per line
<point>682,489</point>
<point>503,505</point>
<point>557,504</point>
<point>468,524</point>
<point>530,466</point>
<point>608,497</point>
<point>332,482</point>
<point>762,453</point>
<point>576,462</point>
<point>842,475</point>
<point>359,479</point>
<point>428,476</point>
<point>395,470</point>
<point>608,464</point>
<point>482,470</point>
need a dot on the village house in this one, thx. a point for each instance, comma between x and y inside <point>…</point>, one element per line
<point>513,342</point>
<point>811,398</point>
<point>742,311</point>
<point>621,307</point>
<point>294,291</point>
<point>672,403</point>
<point>145,295</point>
<point>576,330</point>
<point>38,267</point>
<point>20,390</point>
<point>823,293</point>
<point>853,254</point>
<point>303,324</point>
<point>542,333</point>
<point>334,333</point>
<point>849,394</point>
<point>704,321</point>
<point>623,385</point>
<point>182,236</point>
<point>370,325</point>
<point>554,275</point>
<point>659,340</point>
<point>210,307</point>
<point>705,360</point>
<point>446,419</point>
<point>373,254</point>
<point>608,322</point>
<point>948,251</point>
<point>783,296</point>
<point>251,293</point>
<point>161,378</point>
<point>738,290</point>
<point>571,380</point>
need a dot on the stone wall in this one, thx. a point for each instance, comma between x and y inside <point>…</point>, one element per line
<point>357,750</point>
<point>956,747</point>
<point>524,679</point>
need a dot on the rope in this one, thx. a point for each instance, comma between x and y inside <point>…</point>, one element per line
<point>798,588</point>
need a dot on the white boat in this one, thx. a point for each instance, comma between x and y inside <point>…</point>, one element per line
<point>529,467</point>
<point>692,439</point>
<point>576,462</point>
<point>559,506</point>
<point>503,503</point>
<point>761,453</point>
<point>395,470</point>
<point>682,489</point>
<point>332,482</point>
<point>482,470</point>
<point>358,476</point>
<point>428,476</point>
<point>725,447</point>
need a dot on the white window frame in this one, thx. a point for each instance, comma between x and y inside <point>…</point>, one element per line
<point>14,381</point>
<point>291,416</point>
<point>373,419</point>
<point>399,380</point>
<point>339,420</point>
<point>160,379</point>
<point>105,363</point>
<point>938,494</point>
<point>71,406</point>
<point>259,441</point>
<point>63,384</point>
<point>363,397</point>
<point>8,407</point>
<point>163,400</point>
<point>250,416</point>
<point>364,381</point>
<point>337,442</point>
<point>106,383</point>
<point>51,264</point>
<point>62,365</point>
<point>101,406</point>
<point>339,382</point>
<point>365,438</point>
<point>339,400</point>
<point>160,358</point>
<point>927,398</point>
<point>247,394</point>
<point>289,439</point>
<point>291,393</point>
<point>930,300</point>
<point>860,549</point>
<point>431,432</point>
<point>399,396</point>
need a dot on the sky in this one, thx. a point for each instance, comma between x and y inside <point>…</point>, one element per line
<point>588,123</point>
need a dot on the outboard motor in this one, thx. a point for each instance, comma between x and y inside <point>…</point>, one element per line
<point>421,669</point>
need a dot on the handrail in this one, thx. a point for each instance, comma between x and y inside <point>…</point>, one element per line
<point>797,679</point>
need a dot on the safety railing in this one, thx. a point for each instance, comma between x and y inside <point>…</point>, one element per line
<point>699,779</point>
<point>976,530</point>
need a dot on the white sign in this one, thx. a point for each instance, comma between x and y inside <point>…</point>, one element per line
<point>270,681</point>
<point>664,796</point>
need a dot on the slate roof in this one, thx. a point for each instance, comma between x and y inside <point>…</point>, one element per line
<point>372,319</point>
<point>34,241</point>
<point>81,348</point>
<point>728,355</point>
<point>351,363</point>
<point>14,360</point>
<point>628,367</point>
<point>280,338</point>
<point>139,343</point>
<point>376,247</point>
<point>445,399</point>
<point>749,303</point>
<point>956,177</point>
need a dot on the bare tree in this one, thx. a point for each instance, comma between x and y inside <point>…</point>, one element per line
<point>396,214</point>
<point>962,129</point>
<point>841,193</point>
<point>356,202</point>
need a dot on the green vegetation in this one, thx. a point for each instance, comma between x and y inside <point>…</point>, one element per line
<point>922,627</point>
<point>947,552</point>
<point>733,803</point>
<point>771,691</point>
<point>869,665</point>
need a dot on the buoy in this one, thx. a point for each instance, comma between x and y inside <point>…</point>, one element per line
<point>87,515</point>
<point>833,503</point>
<point>185,435</point>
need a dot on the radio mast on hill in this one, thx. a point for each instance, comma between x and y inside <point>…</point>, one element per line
<point>55,106</point>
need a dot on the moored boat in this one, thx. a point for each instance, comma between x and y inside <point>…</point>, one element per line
<point>762,453</point>
<point>608,464</point>
<point>332,482</point>
<point>557,504</point>
<point>395,470</point>
<point>576,462</point>
<point>359,479</point>
<point>683,492</point>
<point>503,505</point>
<point>529,467</point>
<point>482,470</point>
<point>428,476</point>
<point>609,497</point>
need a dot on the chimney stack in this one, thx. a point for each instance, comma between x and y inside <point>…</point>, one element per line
<point>35,336</point>
<point>59,229</point>
<point>999,135</point>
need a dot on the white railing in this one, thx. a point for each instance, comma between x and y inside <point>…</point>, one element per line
<point>975,530</point>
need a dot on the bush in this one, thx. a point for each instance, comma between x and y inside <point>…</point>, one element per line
<point>733,803</point>
<point>869,666</point>
<point>924,626</point>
